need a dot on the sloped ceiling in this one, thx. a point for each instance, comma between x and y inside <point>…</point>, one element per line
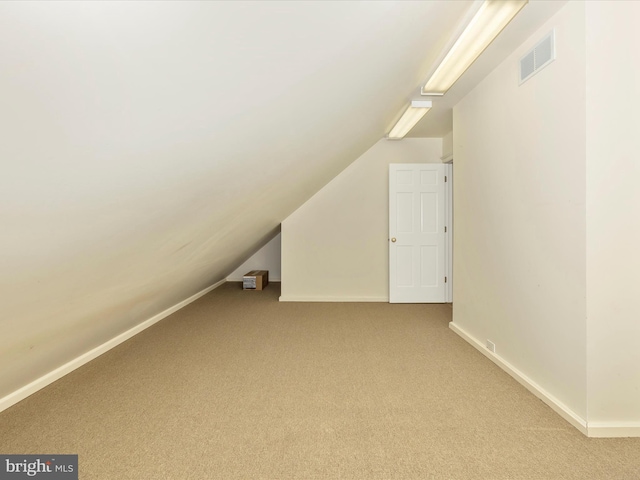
<point>149,147</point>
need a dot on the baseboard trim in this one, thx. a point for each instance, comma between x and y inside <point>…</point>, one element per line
<point>77,362</point>
<point>557,406</point>
<point>613,429</point>
<point>239,279</point>
<point>320,298</point>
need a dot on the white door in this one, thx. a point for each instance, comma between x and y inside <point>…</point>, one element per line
<point>417,238</point>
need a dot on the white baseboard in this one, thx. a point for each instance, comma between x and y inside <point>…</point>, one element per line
<point>320,298</point>
<point>239,279</point>
<point>77,362</point>
<point>613,429</point>
<point>559,407</point>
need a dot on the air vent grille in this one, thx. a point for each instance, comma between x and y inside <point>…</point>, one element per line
<point>538,57</point>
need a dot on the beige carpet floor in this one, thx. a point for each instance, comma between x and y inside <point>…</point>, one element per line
<point>239,386</point>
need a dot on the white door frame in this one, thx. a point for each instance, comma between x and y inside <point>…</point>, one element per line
<point>449,242</point>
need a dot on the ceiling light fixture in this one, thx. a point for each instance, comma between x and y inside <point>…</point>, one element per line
<point>483,28</point>
<point>409,118</point>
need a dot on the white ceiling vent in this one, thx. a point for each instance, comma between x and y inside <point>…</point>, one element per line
<point>538,57</point>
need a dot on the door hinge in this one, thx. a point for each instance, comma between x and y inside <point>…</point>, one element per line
<point>445,178</point>
<point>445,279</point>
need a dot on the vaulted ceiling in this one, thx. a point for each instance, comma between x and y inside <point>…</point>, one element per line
<point>149,147</point>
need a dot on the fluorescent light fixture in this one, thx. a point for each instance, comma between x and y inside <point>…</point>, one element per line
<point>409,118</point>
<point>483,28</point>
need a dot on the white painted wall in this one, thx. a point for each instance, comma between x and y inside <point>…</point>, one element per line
<point>447,144</point>
<point>335,246</point>
<point>613,212</point>
<point>267,258</point>
<point>519,214</point>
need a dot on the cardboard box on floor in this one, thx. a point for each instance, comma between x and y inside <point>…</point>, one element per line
<point>255,280</point>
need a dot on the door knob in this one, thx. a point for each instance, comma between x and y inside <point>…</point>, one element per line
<point>393,239</point>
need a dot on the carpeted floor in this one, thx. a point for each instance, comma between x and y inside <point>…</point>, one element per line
<point>240,386</point>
